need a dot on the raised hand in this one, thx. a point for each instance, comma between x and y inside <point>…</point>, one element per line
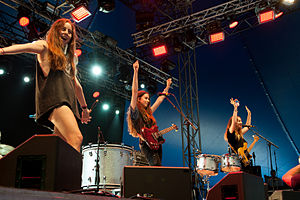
<point>256,138</point>
<point>169,82</point>
<point>136,65</point>
<point>248,111</point>
<point>85,116</point>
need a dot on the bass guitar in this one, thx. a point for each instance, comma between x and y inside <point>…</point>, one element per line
<point>153,137</point>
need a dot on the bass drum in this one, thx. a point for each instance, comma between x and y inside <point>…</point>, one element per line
<point>112,159</point>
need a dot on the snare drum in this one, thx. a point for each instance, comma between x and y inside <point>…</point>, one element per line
<point>208,164</point>
<point>230,163</point>
<point>112,159</point>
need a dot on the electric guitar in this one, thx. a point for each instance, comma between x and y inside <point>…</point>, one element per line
<point>153,137</point>
<point>244,152</point>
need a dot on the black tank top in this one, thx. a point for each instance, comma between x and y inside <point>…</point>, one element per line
<point>55,90</point>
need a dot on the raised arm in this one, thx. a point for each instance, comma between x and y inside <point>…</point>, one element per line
<point>234,116</point>
<point>135,83</point>
<point>160,99</point>
<point>36,47</point>
<point>248,122</point>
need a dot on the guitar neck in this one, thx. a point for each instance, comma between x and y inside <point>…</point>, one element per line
<point>166,130</point>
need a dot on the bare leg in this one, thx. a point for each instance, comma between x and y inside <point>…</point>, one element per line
<point>66,126</point>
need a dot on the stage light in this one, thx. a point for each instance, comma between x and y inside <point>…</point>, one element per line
<point>266,15</point>
<point>159,50</point>
<point>23,16</point>
<point>278,14</point>
<point>80,13</point>
<point>233,24</point>
<point>216,37</point>
<point>142,85</point>
<point>78,52</point>
<point>24,21</point>
<point>105,106</point>
<point>215,32</point>
<point>96,94</point>
<point>117,112</point>
<point>288,2</point>
<point>2,71</point>
<point>96,70</point>
<point>106,6</point>
<point>26,79</point>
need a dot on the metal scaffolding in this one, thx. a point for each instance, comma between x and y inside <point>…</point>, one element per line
<point>10,31</point>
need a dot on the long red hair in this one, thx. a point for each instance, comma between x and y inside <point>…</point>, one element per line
<point>146,114</point>
<point>57,58</point>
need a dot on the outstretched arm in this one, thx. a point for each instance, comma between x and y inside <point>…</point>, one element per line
<point>36,47</point>
<point>234,116</point>
<point>160,99</point>
<point>248,122</point>
<point>135,83</point>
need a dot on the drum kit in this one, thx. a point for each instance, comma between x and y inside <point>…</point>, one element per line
<point>208,165</point>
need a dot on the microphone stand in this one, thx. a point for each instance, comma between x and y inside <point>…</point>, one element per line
<point>269,145</point>
<point>97,178</point>
<point>187,123</point>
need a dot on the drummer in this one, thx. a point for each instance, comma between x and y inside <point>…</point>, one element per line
<point>234,134</point>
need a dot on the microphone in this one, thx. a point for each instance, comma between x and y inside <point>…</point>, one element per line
<point>248,126</point>
<point>163,93</point>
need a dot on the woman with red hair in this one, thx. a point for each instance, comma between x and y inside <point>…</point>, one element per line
<point>140,115</point>
<point>57,86</point>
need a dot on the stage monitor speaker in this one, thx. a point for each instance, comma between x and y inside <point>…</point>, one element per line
<point>238,185</point>
<point>43,162</point>
<point>165,183</point>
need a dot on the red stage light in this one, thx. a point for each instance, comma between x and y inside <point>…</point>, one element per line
<point>24,21</point>
<point>278,14</point>
<point>160,50</point>
<point>266,16</point>
<point>233,24</point>
<point>96,94</point>
<point>216,37</point>
<point>78,52</point>
<point>80,14</point>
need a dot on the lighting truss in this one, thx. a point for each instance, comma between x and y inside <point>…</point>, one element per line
<point>197,20</point>
<point>90,40</point>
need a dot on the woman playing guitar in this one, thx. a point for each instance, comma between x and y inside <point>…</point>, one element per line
<point>234,134</point>
<point>140,115</point>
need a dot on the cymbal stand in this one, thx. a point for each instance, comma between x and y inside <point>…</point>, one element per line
<point>97,177</point>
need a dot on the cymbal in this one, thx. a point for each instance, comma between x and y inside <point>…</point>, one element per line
<point>5,149</point>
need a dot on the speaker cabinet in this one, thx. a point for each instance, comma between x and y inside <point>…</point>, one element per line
<point>285,195</point>
<point>166,183</point>
<point>43,162</point>
<point>238,185</point>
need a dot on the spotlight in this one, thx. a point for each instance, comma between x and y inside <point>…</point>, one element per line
<point>26,79</point>
<point>96,70</point>
<point>233,24</point>
<point>2,71</point>
<point>142,85</point>
<point>23,16</point>
<point>288,2</point>
<point>117,112</point>
<point>158,46</point>
<point>106,6</point>
<point>80,13</point>
<point>278,13</point>
<point>105,106</point>
<point>266,15</point>
<point>96,94</point>
<point>215,32</point>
